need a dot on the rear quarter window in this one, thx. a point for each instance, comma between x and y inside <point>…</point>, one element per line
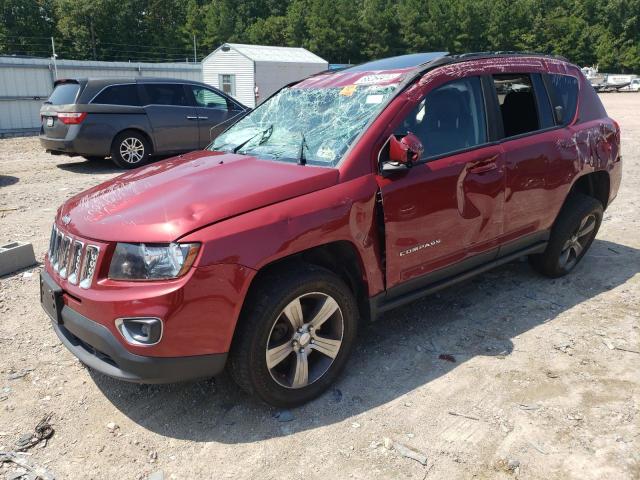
<point>564,94</point>
<point>119,95</point>
<point>64,94</point>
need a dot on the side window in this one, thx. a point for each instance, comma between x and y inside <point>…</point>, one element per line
<point>517,103</point>
<point>564,97</point>
<point>166,94</point>
<point>544,103</point>
<point>449,118</point>
<point>227,84</point>
<point>119,95</point>
<point>208,98</point>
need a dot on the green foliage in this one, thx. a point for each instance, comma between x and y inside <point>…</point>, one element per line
<point>606,32</point>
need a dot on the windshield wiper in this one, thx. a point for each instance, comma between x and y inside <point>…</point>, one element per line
<point>302,160</point>
<point>264,137</point>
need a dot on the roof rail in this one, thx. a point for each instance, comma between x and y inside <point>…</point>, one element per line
<point>505,53</point>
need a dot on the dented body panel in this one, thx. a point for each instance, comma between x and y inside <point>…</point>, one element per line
<point>247,214</point>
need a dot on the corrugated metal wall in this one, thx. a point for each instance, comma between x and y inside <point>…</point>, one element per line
<point>26,82</point>
<point>234,63</point>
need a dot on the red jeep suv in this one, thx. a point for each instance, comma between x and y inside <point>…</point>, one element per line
<point>340,197</point>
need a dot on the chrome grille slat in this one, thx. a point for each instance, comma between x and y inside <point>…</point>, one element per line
<point>72,259</point>
<point>63,261</point>
<point>75,261</point>
<point>89,266</point>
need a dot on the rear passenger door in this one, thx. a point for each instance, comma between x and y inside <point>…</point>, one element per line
<point>214,113</point>
<point>173,118</point>
<point>529,141</point>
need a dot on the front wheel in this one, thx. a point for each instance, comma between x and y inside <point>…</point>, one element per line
<point>130,149</point>
<point>294,337</point>
<point>572,235</point>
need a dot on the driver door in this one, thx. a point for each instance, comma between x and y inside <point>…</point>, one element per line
<point>447,210</point>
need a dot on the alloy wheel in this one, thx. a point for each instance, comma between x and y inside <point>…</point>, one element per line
<point>304,340</point>
<point>574,246</point>
<point>132,150</point>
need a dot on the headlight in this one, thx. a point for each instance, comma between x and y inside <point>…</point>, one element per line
<point>146,261</point>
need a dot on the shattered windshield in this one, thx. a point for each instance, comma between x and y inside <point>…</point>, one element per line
<point>306,125</point>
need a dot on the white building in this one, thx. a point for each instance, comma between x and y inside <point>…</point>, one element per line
<point>249,71</point>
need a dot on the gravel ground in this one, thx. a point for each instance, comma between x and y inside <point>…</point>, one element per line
<point>544,383</point>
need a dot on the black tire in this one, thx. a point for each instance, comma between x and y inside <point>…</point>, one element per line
<point>92,159</point>
<point>562,255</point>
<point>130,149</point>
<point>264,313</point>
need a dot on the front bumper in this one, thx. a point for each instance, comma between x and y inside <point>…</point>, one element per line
<point>96,346</point>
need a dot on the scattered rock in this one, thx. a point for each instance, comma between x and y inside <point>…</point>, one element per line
<point>336,395</point>
<point>355,425</point>
<point>153,456</point>
<point>284,416</point>
<point>112,426</point>
<point>405,451</point>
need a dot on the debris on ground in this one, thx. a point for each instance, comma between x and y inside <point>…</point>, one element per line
<point>157,475</point>
<point>456,414</point>
<point>447,357</point>
<point>405,451</point>
<point>112,426</point>
<point>35,472</point>
<point>19,374</point>
<point>284,416</point>
<point>43,431</point>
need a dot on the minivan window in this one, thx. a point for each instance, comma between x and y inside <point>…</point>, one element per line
<point>564,93</point>
<point>119,95</point>
<point>450,118</point>
<point>517,103</point>
<point>208,98</point>
<point>64,94</point>
<point>166,94</point>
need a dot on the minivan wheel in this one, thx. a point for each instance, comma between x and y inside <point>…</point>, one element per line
<point>572,235</point>
<point>130,149</point>
<point>294,336</point>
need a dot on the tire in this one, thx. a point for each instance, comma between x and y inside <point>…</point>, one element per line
<point>571,236</point>
<point>130,149</point>
<point>264,327</point>
<point>92,159</point>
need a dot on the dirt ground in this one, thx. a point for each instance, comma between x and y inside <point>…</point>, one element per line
<point>545,383</point>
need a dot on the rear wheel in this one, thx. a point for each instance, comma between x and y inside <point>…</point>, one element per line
<point>571,236</point>
<point>295,336</point>
<point>130,149</point>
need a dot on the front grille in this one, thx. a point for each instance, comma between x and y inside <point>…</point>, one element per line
<point>72,259</point>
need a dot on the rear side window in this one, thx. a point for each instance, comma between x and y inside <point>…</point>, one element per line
<point>64,94</point>
<point>119,95</point>
<point>166,94</point>
<point>450,118</point>
<point>208,98</point>
<point>517,103</point>
<point>564,97</point>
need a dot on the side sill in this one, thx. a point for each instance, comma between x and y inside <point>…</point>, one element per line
<point>389,300</point>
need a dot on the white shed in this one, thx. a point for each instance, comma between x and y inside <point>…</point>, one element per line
<point>238,69</point>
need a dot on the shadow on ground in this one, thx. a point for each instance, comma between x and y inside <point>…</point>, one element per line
<point>6,180</point>
<point>105,165</point>
<point>393,356</point>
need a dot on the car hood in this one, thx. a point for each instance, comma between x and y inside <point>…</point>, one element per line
<point>166,200</point>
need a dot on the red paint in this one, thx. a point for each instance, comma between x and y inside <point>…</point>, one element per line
<point>248,213</point>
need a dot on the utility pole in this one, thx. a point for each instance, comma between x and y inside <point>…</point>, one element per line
<point>53,57</point>
<point>195,50</point>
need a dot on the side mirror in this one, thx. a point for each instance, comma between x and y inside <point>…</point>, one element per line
<point>558,111</point>
<point>403,153</point>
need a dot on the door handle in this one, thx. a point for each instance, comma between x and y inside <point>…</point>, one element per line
<point>190,117</point>
<point>485,165</point>
<point>203,118</point>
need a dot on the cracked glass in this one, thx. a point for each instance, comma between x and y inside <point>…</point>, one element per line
<point>306,125</point>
